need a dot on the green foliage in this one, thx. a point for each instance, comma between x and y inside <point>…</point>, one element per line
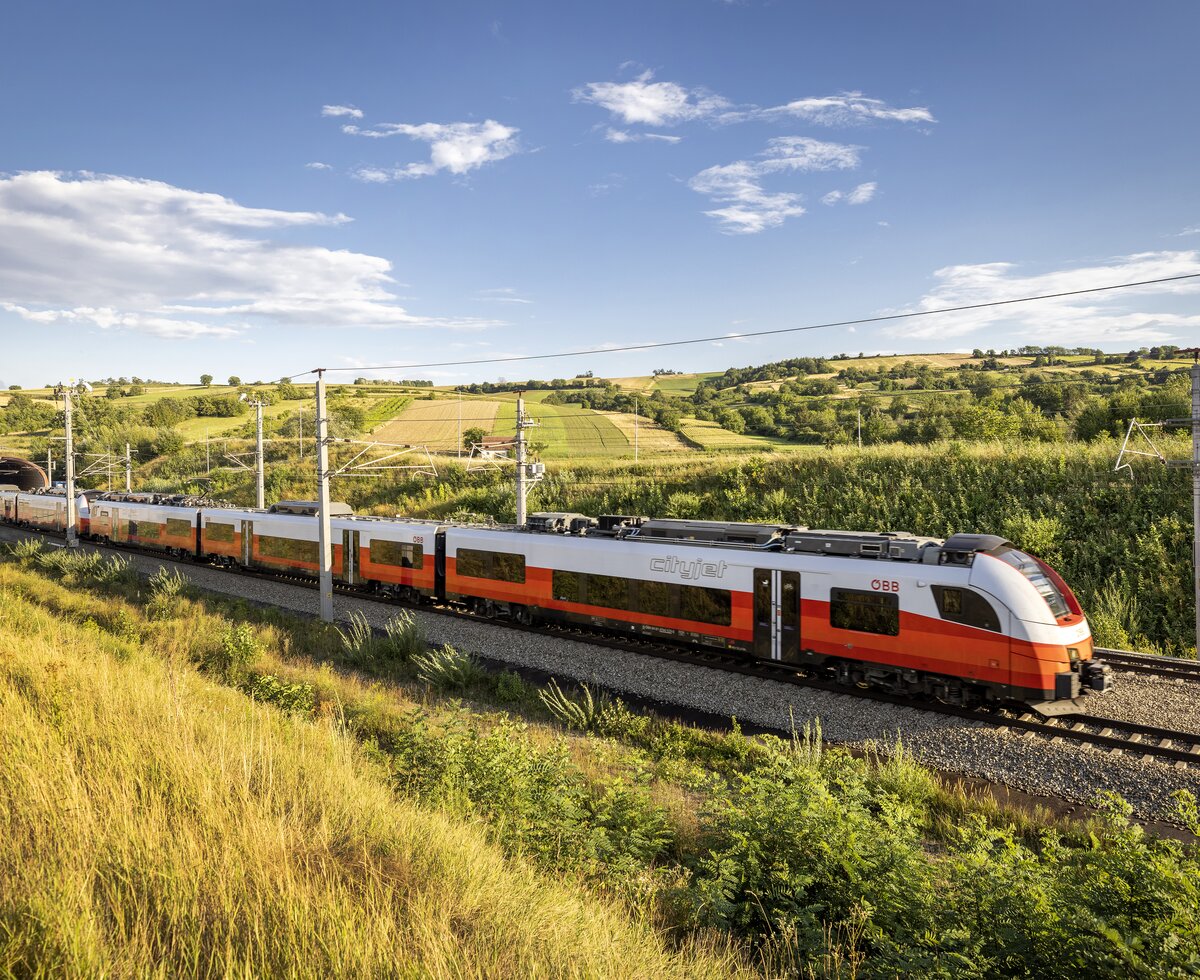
<point>358,639</point>
<point>296,698</point>
<point>27,549</point>
<point>238,648</point>
<point>579,711</point>
<point>447,669</point>
<point>405,637</point>
<point>166,587</point>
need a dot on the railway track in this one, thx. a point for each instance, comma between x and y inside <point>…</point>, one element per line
<point>1179,748</point>
<point>1174,668</point>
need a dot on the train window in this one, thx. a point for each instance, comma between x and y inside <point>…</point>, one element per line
<point>398,553</point>
<point>219,532</point>
<point>179,528</point>
<point>146,530</point>
<point>508,568</point>
<point>966,607</point>
<point>866,612</point>
<point>609,591</point>
<point>706,605</point>
<point>566,586</point>
<point>653,598</point>
<point>475,564</point>
<point>287,548</point>
<point>498,565</point>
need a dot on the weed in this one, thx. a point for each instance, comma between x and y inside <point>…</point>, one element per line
<point>27,549</point>
<point>447,669</point>
<point>239,648</point>
<point>405,636</point>
<point>358,639</point>
<point>574,712</point>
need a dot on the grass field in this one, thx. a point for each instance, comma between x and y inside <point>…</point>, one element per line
<point>436,423</point>
<point>566,430</point>
<point>710,436</point>
<point>195,430</point>
<point>651,437</point>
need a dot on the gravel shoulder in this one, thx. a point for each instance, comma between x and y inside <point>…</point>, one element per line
<point>1029,763</point>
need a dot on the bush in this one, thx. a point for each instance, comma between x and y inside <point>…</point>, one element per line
<point>239,648</point>
<point>447,668</point>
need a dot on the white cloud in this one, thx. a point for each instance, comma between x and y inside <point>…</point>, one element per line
<point>1195,230</point>
<point>1121,317</point>
<point>650,103</point>
<point>749,207</point>
<point>501,294</point>
<point>457,147</point>
<point>846,109</point>
<point>123,253</point>
<point>317,165</point>
<point>860,195</point>
<point>624,136</point>
<point>341,110</point>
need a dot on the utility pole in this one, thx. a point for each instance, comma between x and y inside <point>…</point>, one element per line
<point>860,428</point>
<point>324,543</point>
<point>459,452</point>
<point>521,459</point>
<point>128,470</point>
<point>49,467</point>
<point>69,449</point>
<point>1193,422</point>
<point>300,437</point>
<point>1196,487</point>
<point>635,430</point>
<point>259,493</point>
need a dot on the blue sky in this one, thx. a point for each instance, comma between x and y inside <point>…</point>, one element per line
<point>262,188</point>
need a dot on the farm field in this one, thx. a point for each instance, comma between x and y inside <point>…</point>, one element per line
<point>710,436</point>
<point>566,430</point>
<point>435,423</point>
<point>651,437</point>
<point>195,429</point>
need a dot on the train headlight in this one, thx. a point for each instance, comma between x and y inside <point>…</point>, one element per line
<point>1073,653</point>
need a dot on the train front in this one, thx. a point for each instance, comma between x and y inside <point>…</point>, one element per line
<point>1052,658</point>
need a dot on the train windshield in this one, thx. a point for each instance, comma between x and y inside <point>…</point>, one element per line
<point>1028,567</point>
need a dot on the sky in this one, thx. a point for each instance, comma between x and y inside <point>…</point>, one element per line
<point>263,188</point>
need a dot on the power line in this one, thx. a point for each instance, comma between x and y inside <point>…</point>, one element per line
<point>761,333</point>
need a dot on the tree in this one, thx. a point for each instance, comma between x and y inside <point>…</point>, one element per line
<point>206,379</point>
<point>473,435</point>
<point>113,391</point>
<point>234,381</point>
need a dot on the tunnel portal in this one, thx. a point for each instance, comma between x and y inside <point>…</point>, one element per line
<point>23,474</point>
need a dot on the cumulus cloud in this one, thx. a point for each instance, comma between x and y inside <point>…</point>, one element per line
<point>117,252</point>
<point>647,102</point>
<point>317,165</point>
<point>341,110</point>
<point>748,206</point>
<point>457,147</point>
<point>1123,318</point>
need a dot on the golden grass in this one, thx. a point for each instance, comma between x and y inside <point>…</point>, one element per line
<point>154,824</point>
<point>651,437</point>
<point>435,423</point>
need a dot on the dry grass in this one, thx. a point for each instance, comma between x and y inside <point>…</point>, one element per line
<point>651,437</point>
<point>153,824</point>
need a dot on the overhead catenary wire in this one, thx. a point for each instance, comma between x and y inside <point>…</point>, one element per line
<point>720,338</point>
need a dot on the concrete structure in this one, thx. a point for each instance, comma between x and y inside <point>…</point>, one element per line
<point>22,473</point>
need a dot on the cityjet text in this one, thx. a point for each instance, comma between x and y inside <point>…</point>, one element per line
<point>688,570</point>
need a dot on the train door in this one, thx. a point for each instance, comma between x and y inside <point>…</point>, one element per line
<point>247,542</point>
<point>776,614</point>
<point>350,545</point>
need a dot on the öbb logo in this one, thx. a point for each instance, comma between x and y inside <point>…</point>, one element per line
<point>885,585</point>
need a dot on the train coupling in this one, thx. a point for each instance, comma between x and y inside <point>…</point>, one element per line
<point>1095,676</point>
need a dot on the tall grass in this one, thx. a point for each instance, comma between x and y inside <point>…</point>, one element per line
<point>155,825</point>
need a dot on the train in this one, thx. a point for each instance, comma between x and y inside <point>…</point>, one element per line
<point>968,620</point>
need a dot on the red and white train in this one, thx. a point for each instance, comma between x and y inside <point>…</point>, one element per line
<point>967,620</point>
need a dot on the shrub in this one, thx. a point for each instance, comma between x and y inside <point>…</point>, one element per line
<point>447,668</point>
<point>239,648</point>
<point>297,698</point>
<point>574,712</point>
<point>405,636</point>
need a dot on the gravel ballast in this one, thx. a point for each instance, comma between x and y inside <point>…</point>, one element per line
<point>1030,763</point>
